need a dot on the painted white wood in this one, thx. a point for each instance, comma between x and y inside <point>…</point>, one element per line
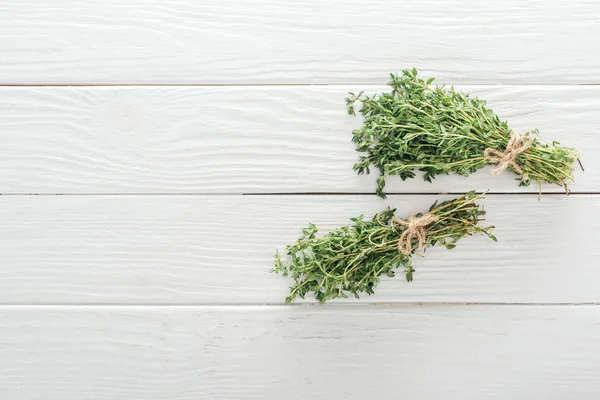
<point>219,249</point>
<point>270,41</point>
<point>125,297</point>
<point>262,353</point>
<point>244,139</point>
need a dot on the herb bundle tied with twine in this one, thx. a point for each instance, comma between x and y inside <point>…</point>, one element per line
<point>438,130</point>
<point>351,259</point>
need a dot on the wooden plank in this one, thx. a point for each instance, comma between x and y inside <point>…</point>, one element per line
<point>188,353</point>
<point>243,139</point>
<point>219,249</point>
<point>269,41</point>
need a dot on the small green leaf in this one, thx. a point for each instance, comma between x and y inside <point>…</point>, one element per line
<point>352,259</point>
<point>438,130</point>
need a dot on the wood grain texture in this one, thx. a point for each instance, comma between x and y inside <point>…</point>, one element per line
<point>269,41</point>
<point>244,140</point>
<point>188,353</point>
<point>219,249</point>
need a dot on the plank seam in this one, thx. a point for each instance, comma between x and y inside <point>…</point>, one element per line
<point>287,84</point>
<point>297,305</point>
<point>574,193</point>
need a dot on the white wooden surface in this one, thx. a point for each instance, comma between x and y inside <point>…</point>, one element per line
<point>244,139</point>
<point>155,134</point>
<point>189,353</point>
<point>308,41</point>
<point>219,249</point>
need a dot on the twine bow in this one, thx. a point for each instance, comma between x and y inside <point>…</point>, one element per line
<point>415,229</point>
<point>515,146</point>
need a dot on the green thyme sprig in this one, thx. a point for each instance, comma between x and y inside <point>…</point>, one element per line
<point>351,259</point>
<point>438,130</point>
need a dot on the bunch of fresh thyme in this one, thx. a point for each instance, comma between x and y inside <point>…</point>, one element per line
<point>438,131</point>
<point>351,259</point>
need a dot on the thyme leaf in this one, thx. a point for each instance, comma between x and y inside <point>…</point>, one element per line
<point>351,259</point>
<point>439,131</point>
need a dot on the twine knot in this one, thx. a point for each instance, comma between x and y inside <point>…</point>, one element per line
<point>515,146</point>
<point>415,229</point>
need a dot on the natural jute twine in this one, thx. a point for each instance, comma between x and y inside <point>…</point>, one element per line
<point>415,229</point>
<point>515,146</point>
